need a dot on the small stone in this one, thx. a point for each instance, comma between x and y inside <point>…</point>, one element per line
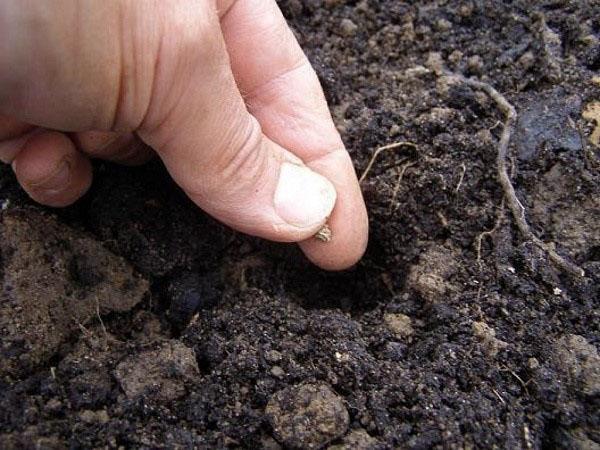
<point>592,113</point>
<point>307,416</point>
<point>416,71</point>
<point>466,11</point>
<point>443,25</point>
<point>357,440</point>
<point>54,405</point>
<point>475,64</point>
<point>91,417</point>
<point>277,371</point>
<point>348,28</point>
<point>435,62</point>
<point>87,416</point>
<point>162,372</point>
<point>341,357</point>
<point>102,416</point>
<point>533,364</point>
<point>557,291</point>
<point>399,324</point>
<point>456,57</point>
<point>487,336</point>
<point>273,356</point>
<point>527,60</point>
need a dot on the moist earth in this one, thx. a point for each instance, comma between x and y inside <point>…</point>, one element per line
<point>133,320</point>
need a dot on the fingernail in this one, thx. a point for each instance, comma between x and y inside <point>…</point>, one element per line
<point>59,179</point>
<point>303,198</point>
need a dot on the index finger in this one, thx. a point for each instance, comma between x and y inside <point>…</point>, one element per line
<point>283,92</point>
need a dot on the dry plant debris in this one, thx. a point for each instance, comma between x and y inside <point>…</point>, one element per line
<point>592,112</point>
<point>515,206</point>
<point>378,151</point>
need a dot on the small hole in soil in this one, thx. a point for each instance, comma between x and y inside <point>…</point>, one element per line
<point>203,364</point>
<point>594,64</point>
<point>594,253</point>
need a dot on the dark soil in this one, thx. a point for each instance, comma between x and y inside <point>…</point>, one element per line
<point>428,343</point>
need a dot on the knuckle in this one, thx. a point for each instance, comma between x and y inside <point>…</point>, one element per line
<point>238,163</point>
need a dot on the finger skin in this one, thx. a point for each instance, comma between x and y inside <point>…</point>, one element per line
<point>11,128</point>
<point>13,134</point>
<point>51,170</point>
<point>283,92</point>
<point>80,65</point>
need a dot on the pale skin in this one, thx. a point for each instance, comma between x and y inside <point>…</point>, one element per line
<point>220,90</point>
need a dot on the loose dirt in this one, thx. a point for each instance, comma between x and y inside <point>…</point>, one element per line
<point>133,320</point>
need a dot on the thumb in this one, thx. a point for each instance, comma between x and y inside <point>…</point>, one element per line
<point>216,151</point>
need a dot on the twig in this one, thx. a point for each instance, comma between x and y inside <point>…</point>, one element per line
<point>393,146</point>
<point>515,206</point>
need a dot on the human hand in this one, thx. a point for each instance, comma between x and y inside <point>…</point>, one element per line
<point>219,89</point>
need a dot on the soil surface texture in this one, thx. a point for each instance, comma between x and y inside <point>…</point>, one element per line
<point>133,320</point>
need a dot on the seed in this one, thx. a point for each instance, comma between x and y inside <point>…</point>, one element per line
<point>324,234</point>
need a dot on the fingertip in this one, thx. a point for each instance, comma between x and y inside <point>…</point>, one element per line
<point>51,170</point>
<point>348,223</point>
<point>346,247</point>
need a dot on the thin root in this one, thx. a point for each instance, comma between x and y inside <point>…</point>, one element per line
<point>101,323</point>
<point>393,146</point>
<point>516,208</point>
<point>479,239</point>
<point>403,167</point>
<point>463,171</point>
<point>499,396</point>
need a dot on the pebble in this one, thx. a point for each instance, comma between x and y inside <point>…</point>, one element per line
<point>443,25</point>
<point>487,336</point>
<point>348,28</point>
<point>273,356</point>
<point>357,440</point>
<point>435,62</point>
<point>399,324</point>
<point>307,416</point>
<point>456,57</point>
<point>277,371</point>
<point>475,64</point>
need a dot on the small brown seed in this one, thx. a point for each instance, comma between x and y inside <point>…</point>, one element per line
<point>324,234</point>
